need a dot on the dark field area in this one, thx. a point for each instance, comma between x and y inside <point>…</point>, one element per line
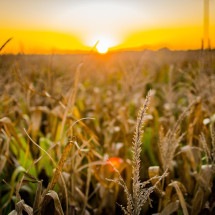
<point>72,142</point>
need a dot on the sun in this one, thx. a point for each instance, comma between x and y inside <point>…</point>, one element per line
<point>101,43</point>
<point>102,47</point>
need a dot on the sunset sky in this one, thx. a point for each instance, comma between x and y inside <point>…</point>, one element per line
<point>46,26</point>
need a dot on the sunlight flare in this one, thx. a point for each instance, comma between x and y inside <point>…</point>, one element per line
<point>102,43</point>
<point>102,48</point>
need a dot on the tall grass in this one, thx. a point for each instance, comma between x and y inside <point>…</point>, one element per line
<point>140,195</point>
<point>78,120</point>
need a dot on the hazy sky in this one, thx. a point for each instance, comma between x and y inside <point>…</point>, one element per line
<point>116,21</point>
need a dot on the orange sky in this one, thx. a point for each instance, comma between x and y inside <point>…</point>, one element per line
<point>64,25</point>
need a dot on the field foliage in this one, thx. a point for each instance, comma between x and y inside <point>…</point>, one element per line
<point>72,141</point>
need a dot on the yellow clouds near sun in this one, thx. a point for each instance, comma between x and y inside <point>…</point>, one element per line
<point>45,42</point>
<point>174,38</point>
<point>29,41</point>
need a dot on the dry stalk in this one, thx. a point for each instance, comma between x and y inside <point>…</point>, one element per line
<point>1,48</point>
<point>140,194</point>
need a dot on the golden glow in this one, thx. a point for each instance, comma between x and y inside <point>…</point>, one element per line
<point>37,42</point>
<point>40,42</point>
<point>176,38</point>
<point>70,27</point>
